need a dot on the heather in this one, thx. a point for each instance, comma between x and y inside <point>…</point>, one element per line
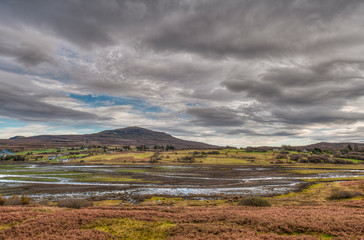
<point>332,221</point>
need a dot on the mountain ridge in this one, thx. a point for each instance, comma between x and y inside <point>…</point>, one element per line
<point>133,136</point>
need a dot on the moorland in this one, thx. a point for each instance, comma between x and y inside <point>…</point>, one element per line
<point>162,191</point>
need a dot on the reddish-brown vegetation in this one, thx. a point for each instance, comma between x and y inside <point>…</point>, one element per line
<point>341,221</point>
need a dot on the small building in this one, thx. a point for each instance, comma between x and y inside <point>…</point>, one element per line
<point>52,157</point>
<point>63,160</point>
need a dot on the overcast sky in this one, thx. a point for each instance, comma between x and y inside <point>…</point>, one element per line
<point>227,72</point>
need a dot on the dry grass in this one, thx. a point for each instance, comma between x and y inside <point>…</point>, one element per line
<point>229,157</point>
<point>317,194</point>
<point>74,203</point>
<point>119,158</point>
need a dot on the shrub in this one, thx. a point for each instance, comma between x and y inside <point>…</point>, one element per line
<point>341,194</point>
<point>296,157</point>
<point>24,199</point>
<point>341,161</point>
<point>75,203</point>
<point>255,202</point>
<point>281,156</point>
<point>213,152</point>
<point>44,202</point>
<point>187,159</point>
<point>13,200</point>
<point>155,158</point>
<point>2,200</point>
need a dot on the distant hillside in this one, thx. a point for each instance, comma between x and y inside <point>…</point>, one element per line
<point>17,137</point>
<point>132,136</point>
<point>333,146</point>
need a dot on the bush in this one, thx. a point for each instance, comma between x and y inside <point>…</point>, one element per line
<point>24,199</point>
<point>45,202</point>
<point>341,194</point>
<point>2,200</point>
<point>281,156</point>
<point>75,203</point>
<point>187,159</point>
<point>13,200</point>
<point>213,152</point>
<point>296,157</point>
<point>255,202</point>
<point>16,200</point>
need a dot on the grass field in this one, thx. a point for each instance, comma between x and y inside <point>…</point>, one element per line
<point>225,157</point>
<point>228,157</point>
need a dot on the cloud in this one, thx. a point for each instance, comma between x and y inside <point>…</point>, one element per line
<point>216,116</point>
<point>234,71</point>
<point>27,47</point>
<point>302,94</point>
<point>18,103</point>
<point>29,108</point>
<point>311,115</point>
<point>251,29</point>
<point>249,132</point>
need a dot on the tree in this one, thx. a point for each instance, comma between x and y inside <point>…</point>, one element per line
<point>142,148</point>
<point>169,147</point>
<point>350,148</point>
<point>126,148</point>
<point>316,150</point>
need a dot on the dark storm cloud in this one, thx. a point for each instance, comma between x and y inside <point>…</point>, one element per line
<point>215,116</point>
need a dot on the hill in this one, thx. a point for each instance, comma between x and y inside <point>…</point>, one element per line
<point>333,146</point>
<point>132,136</point>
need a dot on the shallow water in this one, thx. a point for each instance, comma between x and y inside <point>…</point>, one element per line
<point>156,180</point>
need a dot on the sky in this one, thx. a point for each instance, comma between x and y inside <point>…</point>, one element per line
<point>225,72</point>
